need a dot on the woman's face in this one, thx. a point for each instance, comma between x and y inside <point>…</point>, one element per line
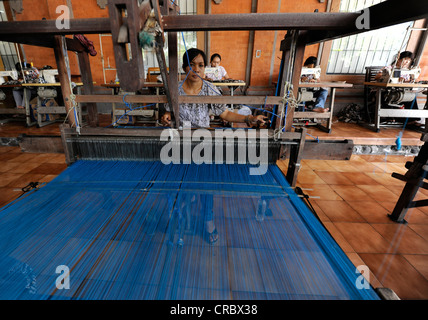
<point>404,63</point>
<point>198,69</point>
<point>215,62</point>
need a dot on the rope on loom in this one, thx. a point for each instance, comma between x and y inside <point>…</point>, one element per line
<point>73,109</point>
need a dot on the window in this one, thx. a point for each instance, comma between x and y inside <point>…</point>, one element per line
<point>350,55</point>
<point>8,53</point>
<point>187,7</point>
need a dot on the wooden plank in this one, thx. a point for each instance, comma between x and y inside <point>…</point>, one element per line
<point>41,144</point>
<point>204,22</point>
<point>46,41</point>
<point>297,68</point>
<point>296,155</point>
<point>64,76</point>
<point>396,85</point>
<point>48,27</point>
<point>51,110</point>
<point>156,132</point>
<point>328,84</point>
<point>261,21</point>
<point>248,100</point>
<point>173,75</point>
<point>85,71</point>
<point>311,115</point>
<point>397,13</point>
<point>328,149</point>
<point>12,111</point>
<point>129,65</point>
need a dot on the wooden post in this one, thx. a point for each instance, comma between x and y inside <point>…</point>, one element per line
<point>85,71</point>
<point>414,179</point>
<point>173,75</point>
<point>173,71</point>
<point>293,47</point>
<point>295,80</point>
<point>63,65</point>
<point>296,155</point>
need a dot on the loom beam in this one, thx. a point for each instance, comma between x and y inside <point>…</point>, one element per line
<point>145,144</point>
<point>127,52</point>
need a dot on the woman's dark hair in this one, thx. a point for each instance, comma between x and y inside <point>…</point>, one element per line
<point>311,60</point>
<point>22,65</point>
<point>191,54</point>
<point>215,55</point>
<point>406,54</point>
<point>402,55</point>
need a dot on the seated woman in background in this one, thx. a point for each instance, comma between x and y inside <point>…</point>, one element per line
<point>319,94</point>
<point>197,114</point>
<point>404,61</point>
<point>221,73</point>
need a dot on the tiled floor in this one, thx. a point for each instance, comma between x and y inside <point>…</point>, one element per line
<point>18,169</point>
<point>353,204</point>
<point>352,199</point>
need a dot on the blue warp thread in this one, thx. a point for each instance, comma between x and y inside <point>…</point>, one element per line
<point>137,230</point>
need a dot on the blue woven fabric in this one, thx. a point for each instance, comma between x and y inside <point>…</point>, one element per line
<point>139,230</point>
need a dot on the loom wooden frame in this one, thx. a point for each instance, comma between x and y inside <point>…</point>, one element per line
<point>304,29</point>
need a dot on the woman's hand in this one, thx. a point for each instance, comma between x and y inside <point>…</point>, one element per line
<point>166,118</point>
<point>255,120</point>
<point>250,120</point>
<point>258,120</point>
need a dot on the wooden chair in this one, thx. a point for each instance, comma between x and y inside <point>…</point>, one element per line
<point>153,73</point>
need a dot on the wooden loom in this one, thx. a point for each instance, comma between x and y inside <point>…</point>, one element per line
<point>316,27</point>
<point>302,29</point>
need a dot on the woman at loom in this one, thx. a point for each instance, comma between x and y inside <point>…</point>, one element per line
<point>198,114</point>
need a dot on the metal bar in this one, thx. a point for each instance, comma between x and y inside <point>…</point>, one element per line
<point>406,113</point>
